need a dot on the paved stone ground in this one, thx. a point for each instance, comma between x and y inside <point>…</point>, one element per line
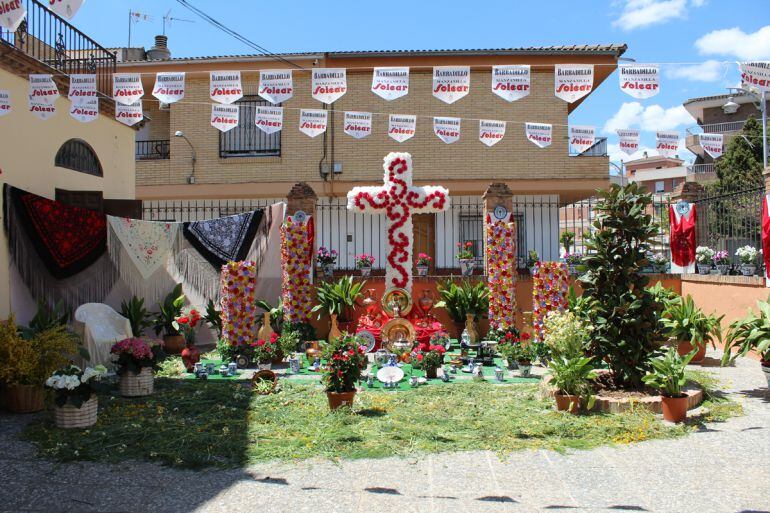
<point>724,468</point>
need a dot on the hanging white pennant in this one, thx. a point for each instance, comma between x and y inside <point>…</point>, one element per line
<point>12,13</point>
<point>225,86</point>
<point>511,82</point>
<point>756,74</point>
<point>82,88</point>
<point>491,132</point>
<point>127,88</point>
<point>540,134</point>
<point>5,102</point>
<point>41,109</point>
<point>447,129</point>
<point>169,86</point>
<point>224,117</point>
<point>65,8</point>
<point>129,114</point>
<point>390,83</point>
<point>269,119</point>
<point>639,80</point>
<point>573,81</point>
<point>43,89</point>
<point>581,138</point>
<point>358,124</point>
<point>401,127</point>
<point>450,83</point>
<point>713,144</point>
<point>667,143</point>
<point>276,86</point>
<point>628,140</point>
<point>312,122</point>
<point>329,84</point>
<point>85,110</point>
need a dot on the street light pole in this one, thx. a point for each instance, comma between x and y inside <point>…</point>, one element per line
<point>763,103</point>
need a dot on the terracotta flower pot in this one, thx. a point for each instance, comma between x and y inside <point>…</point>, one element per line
<point>190,356</point>
<point>24,398</point>
<point>431,372</point>
<point>566,402</point>
<point>674,408</point>
<point>338,400</point>
<point>684,348</point>
<point>173,344</point>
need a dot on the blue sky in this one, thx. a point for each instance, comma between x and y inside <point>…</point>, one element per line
<point>704,33</point>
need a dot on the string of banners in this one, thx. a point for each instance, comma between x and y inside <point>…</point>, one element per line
<point>13,12</point>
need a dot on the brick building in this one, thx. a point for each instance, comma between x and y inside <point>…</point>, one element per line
<point>659,175</point>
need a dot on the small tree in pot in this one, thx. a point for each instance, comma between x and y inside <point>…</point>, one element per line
<point>432,359</point>
<point>572,378</point>
<point>168,311</point>
<point>345,359</point>
<point>667,375</point>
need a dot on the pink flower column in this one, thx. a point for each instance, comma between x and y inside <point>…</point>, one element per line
<point>239,315</point>
<point>549,293</point>
<point>296,269</point>
<point>501,272</point>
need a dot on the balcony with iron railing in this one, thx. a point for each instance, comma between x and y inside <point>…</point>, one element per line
<point>153,150</point>
<point>598,149</point>
<point>717,128</point>
<point>50,39</point>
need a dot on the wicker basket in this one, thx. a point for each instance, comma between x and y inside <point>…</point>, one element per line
<point>136,385</point>
<point>69,417</point>
<point>23,398</point>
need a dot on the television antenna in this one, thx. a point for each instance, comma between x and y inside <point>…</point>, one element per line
<point>135,17</point>
<point>168,19</point>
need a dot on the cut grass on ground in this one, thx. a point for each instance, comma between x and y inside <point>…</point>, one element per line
<point>197,424</point>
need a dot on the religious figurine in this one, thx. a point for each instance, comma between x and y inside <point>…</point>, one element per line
<point>470,327</point>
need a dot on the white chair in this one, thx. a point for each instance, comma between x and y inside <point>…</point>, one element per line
<point>100,326</point>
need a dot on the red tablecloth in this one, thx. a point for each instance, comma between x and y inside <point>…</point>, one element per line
<point>374,326</point>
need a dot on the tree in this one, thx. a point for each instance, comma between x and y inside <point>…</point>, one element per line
<point>740,167</point>
<point>622,312</point>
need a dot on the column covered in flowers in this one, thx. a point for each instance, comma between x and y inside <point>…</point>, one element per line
<point>239,315</point>
<point>501,262</point>
<point>296,268</point>
<point>549,293</point>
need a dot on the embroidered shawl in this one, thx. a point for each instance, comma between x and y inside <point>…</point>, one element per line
<point>226,239</point>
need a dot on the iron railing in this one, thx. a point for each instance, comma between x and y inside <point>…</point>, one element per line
<point>153,150</point>
<point>598,149</point>
<point>52,40</point>
<point>246,140</point>
<point>183,211</point>
<point>717,128</point>
<point>698,169</point>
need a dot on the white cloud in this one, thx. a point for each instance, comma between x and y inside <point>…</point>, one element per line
<point>737,43</point>
<point>644,13</point>
<point>651,118</point>
<point>708,71</point>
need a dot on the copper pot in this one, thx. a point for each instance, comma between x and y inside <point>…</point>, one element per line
<point>312,350</point>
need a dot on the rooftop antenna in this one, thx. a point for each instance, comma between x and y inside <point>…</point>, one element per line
<point>169,19</point>
<point>135,17</point>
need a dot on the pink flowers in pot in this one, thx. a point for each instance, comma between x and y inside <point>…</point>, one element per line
<point>326,257</point>
<point>423,259</point>
<point>364,260</point>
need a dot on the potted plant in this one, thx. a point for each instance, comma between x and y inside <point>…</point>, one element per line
<point>289,343</point>
<point>752,333</point>
<point>573,260</point>
<point>345,358</point>
<point>213,317</point>
<point>75,395</point>
<point>338,299</point>
<point>748,256</point>
<point>659,263</point>
<point>703,256</point>
<point>532,260</point>
<point>466,257</point>
<point>572,379</point>
<point>432,359</point>
<point>567,238</point>
<point>667,375</point>
<point>461,300</point>
<point>690,328</point>
<point>721,260</point>
<point>326,260</point>
<point>136,360</point>
<point>364,263</point>
<point>185,324</point>
<point>168,311</point>
<point>263,351</point>
<point>566,335</point>
<point>25,364</point>
<point>138,316</point>
<point>423,264</point>
<point>517,351</point>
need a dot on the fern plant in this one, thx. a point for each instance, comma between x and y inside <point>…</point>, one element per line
<point>461,300</point>
<point>338,297</point>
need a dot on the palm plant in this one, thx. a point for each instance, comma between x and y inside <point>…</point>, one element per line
<point>461,300</point>
<point>685,322</point>
<point>667,373</point>
<point>138,316</point>
<point>213,318</point>
<point>752,333</point>
<point>45,318</point>
<point>573,376</point>
<point>168,310</point>
<point>338,298</point>
<point>276,313</point>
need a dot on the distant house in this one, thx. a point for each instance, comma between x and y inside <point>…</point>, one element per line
<point>659,175</point>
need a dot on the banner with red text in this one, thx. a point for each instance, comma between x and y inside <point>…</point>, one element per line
<point>169,86</point>
<point>65,8</point>
<point>450,83</point>
<point>401,127</point>
<point>225,117</point>
<point>573,81</point>
<point>269,119</point>
<point>447,129</point>
<point>129,114</point>
<point>358,124</point>
<point>82,88</point>
<point>85,110</point>
<point>276,86</point>
<point>491,132</point>
<point>225,86</point>
<point>581,138</point>
<point>42,89</point>
<point>328,84</point>
<point>5,102</point>
<point>639,80</point>
<point>390,83</point>
<point>12,13</point>
<point>667,143</point>
<point>628,140</point>
<point>713,144</point>
<point>540,134</point>
<point>755,73</point>
<point>41,109</point>
<point>511,82</point>
<point>313,122</point>
<point>127,88</point>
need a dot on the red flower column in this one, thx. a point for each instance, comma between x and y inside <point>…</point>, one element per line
<point>239,316</point>
<point>549,293</point>
<point>500,255</point>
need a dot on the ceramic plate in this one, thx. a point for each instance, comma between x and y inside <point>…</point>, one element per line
<point>368,338</point>
<point>390,374</point>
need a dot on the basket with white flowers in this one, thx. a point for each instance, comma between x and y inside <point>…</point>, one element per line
<point>75,395</point>
<point>748,256</point>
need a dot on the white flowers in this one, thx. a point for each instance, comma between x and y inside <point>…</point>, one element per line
<point>703,254</point>
<point>747,254</point>
<point>72,377</point>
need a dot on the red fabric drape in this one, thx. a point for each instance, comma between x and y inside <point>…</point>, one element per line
<point>766,235</point>
<point>682,236</point>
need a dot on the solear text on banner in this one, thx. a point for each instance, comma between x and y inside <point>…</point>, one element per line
<point>276,86</point>
<point>667,143</point>
<point>85,110</point>
<point>713,144</point>
<point>127,88</point>
<point>269,119</point>
<point>491,131</point>
<point>756,73</point>
<point>224,117</point>
<point>573,81</point>
<point>581,138</point>
<point>312,122</point>
<point>639,80</point>
<point>450,83</point>
<point>358,124</point>
<point>511,82</point>
<point>5,102</point>
<point>328,84</point>
<point>401,127</point>
<point>41,109</point>
<point>12,13</point>
<point>82,88</point>
<point>390,83</point>
<point>225,86</point>
<point>129,114</point>
<point>540,134</point>
<point>169,86</point>
<point>447,129</point>
<point>628,140</point>
<point>42,89</point>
